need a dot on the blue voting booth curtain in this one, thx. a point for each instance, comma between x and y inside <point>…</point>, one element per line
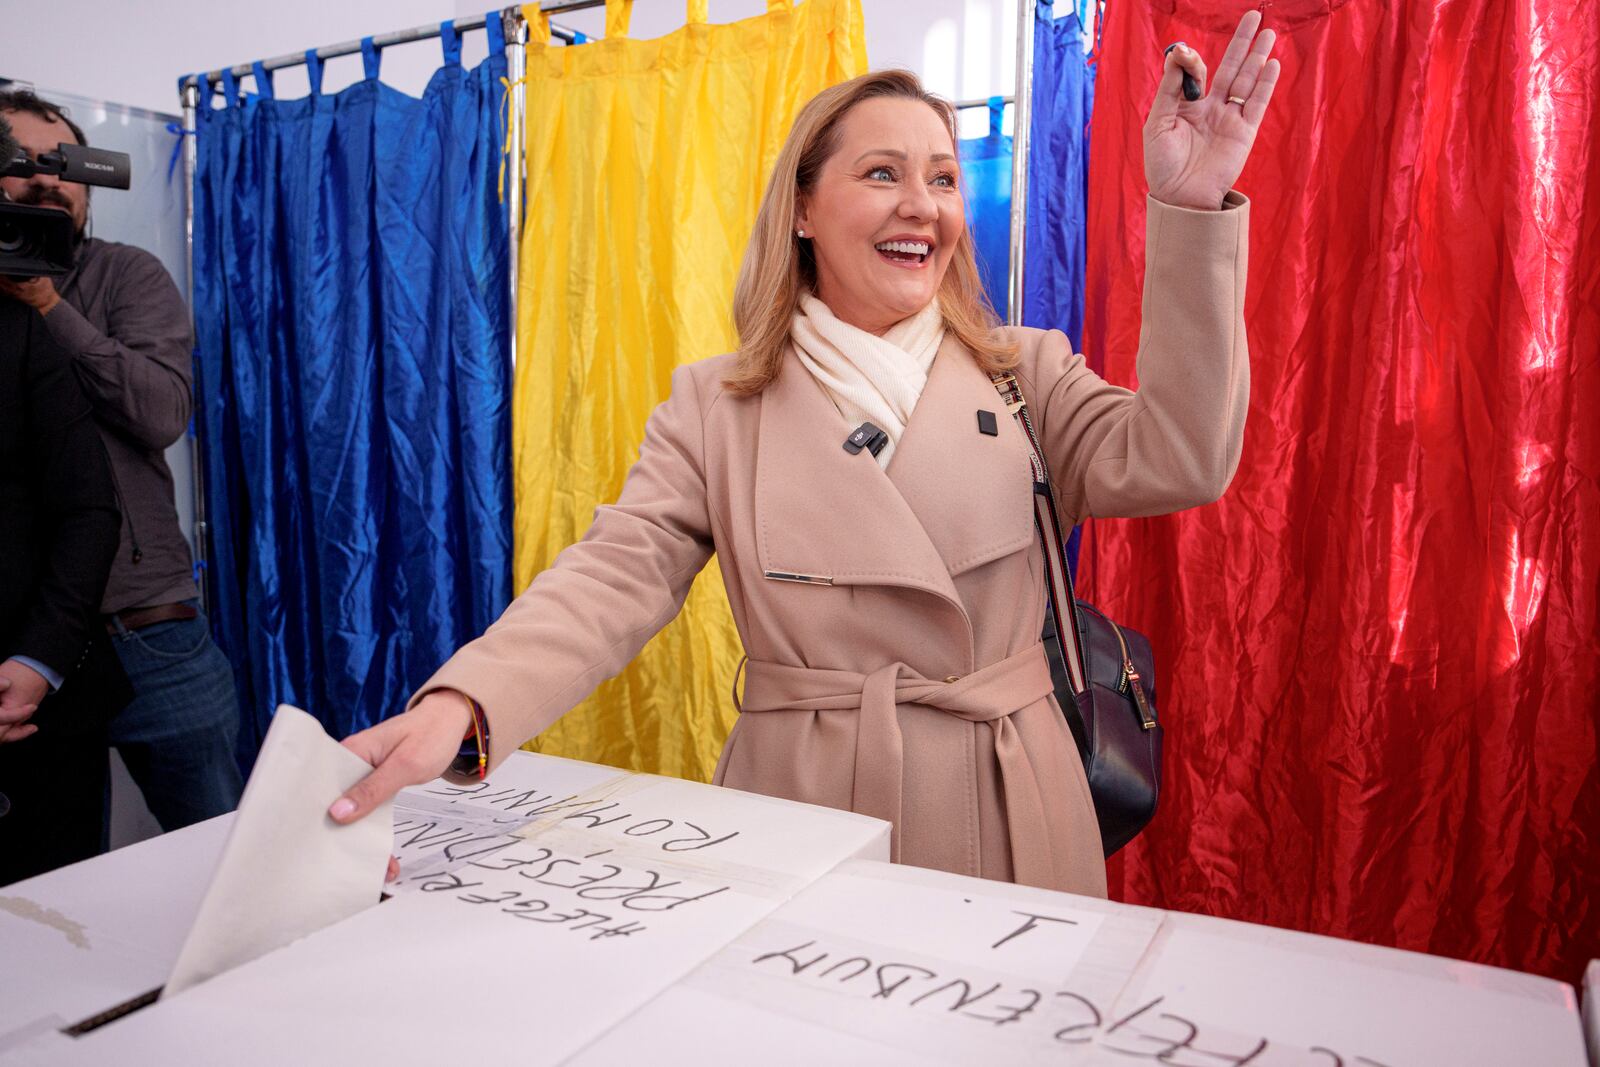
<point>986,181</point>
<point>350,275</point>
<point>1058,186</point>
<point>1058,182</point>
<point>1058,175</point>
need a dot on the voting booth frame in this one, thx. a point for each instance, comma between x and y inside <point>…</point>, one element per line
<point>581,914</point>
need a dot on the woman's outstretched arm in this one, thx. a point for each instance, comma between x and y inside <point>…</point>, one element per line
<point>579,622</point>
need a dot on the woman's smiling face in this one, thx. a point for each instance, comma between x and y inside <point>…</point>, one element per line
<point>885,213</point>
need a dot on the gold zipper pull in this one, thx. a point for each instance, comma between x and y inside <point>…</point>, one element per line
<point>1130,680</point>
<point>1147,718</point>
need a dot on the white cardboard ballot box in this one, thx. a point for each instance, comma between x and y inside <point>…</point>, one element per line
<point>532,912</point>
<point>565,912</point>
<point>84,938</point>
<point>880,964</point>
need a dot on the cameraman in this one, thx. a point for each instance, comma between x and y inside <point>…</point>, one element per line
<point>59,680</point>
<point>120,319</point>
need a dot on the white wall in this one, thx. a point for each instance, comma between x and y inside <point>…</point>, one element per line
<point>961,48</point>
<point>132,51</point>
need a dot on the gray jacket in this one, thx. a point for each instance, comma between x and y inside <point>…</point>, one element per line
<point>127,328</point>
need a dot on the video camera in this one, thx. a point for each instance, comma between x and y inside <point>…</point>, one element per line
<point>37,241</point>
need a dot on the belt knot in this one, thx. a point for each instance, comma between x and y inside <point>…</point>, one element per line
<point>990,695</point>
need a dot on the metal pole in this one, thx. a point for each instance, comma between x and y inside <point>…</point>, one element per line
<point>1023,116</point>
<point>516,68</point>
<point>561,7</point>
<point>964,105</point>
<point>384,40</point>
<point>197,467</point>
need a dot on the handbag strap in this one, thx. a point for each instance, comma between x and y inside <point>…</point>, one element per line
<point>1061,601</point>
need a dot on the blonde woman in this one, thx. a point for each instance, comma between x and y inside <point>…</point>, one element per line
<point>890,600</point>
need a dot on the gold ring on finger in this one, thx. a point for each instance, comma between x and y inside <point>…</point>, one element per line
<point>1236,100</point>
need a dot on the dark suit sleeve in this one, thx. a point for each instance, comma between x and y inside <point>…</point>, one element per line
<point>77,515</point>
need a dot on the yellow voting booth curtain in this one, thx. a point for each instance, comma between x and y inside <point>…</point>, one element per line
<point>646,161</point>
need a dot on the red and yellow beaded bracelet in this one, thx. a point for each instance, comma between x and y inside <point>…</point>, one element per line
<point>473,758</point>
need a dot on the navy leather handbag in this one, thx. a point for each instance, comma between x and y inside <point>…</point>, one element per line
<point>1104,674</point>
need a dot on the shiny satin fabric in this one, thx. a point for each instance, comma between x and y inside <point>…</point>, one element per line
<point>1379,651</point>
<point>351,301</point>
<point>646,161</point>
<point>1058,171</point>
<point>986,187</point>
<point>1058,174</point>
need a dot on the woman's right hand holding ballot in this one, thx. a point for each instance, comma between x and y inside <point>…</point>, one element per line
<point>414,747</point>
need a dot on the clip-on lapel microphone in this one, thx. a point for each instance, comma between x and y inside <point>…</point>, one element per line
<point>866,436</point>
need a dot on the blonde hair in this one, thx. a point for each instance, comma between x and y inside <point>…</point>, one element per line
<point>778,266</point>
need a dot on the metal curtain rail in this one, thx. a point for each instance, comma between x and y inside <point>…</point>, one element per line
<point>1022,117</point>
<point>963,105</point>
<point>384,40</point>
<point>561,7</point>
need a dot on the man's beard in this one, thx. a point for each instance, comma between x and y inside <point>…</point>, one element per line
<point>42,197</point>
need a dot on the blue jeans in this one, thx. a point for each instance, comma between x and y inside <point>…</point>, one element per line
<point>177,736</point>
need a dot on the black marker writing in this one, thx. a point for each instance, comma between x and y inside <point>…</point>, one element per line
<point>1144,1032</point>
<point>588,813</point>
<point>1033,920</point>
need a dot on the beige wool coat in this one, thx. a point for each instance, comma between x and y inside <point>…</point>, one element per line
<point>892,618</point>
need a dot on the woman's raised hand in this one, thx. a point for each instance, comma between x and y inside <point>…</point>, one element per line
<point>415,746</point>
<point>1195,149</point>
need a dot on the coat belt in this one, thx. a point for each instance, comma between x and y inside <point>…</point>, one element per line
<point>989,695</point>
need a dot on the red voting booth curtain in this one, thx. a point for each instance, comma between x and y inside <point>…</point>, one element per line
<point>1378,653</point>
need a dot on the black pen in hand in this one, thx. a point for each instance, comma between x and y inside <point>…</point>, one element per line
<point>1191,88</point>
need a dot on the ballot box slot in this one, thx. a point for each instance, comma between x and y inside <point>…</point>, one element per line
<point>128,1007</point>
<point>111,1015</point>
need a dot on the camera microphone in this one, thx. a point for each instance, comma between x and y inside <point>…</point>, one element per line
<point>71,163</point>
<point>94,166</point>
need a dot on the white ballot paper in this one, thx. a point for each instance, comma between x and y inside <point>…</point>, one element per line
<point>287,870</point>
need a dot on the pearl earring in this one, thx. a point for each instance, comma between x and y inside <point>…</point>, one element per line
<point>799,233</point>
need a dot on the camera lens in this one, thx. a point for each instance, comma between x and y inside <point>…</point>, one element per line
<point>34,240</point>
<point>12,237</point>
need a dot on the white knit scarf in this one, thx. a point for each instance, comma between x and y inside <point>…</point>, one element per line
<point>870,378</point>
